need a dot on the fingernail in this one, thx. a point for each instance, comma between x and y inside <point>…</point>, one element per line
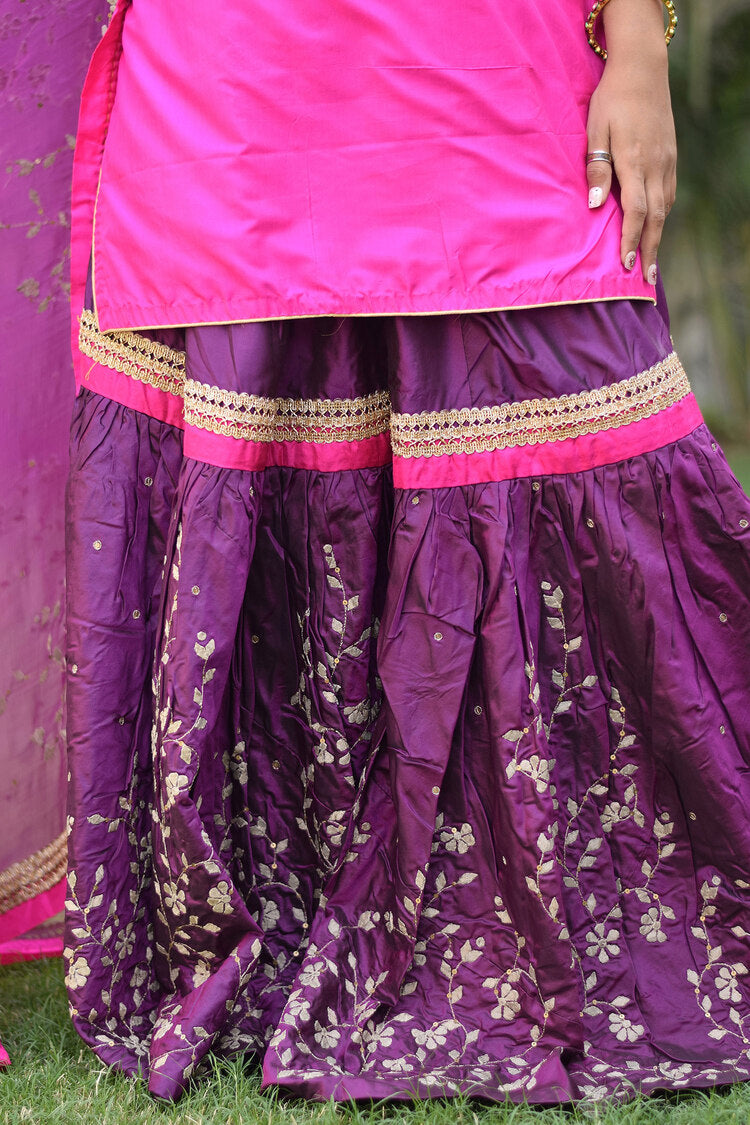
<point>630,260</point>
<point>652,274</point>
<point>595,197</point>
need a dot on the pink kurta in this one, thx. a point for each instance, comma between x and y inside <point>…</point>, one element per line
<point>348,158</point>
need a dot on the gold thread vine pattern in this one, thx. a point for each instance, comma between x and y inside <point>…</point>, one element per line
<point>31,877</point>
<point>535,421</point>
<point>146,360</point>
<point>252,418</point>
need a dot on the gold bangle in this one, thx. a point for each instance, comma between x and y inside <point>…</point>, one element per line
<point>599,7</point>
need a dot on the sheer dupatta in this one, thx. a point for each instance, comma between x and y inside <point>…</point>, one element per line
<point>43,58</point>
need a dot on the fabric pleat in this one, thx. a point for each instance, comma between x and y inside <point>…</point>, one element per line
<point>415,790</point>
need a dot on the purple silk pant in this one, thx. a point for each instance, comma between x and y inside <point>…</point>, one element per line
<point>416,790</point>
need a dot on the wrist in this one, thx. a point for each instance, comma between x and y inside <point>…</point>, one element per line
<point>635,28</point>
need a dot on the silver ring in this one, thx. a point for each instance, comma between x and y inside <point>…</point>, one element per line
<point>599,154</point>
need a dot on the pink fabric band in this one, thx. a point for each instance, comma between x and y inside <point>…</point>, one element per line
<point>25,917</point>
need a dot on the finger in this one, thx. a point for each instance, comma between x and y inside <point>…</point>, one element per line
<point>652,232</point>
<point>599,175</point>
<point>670,190</point>
<point>635,210</point>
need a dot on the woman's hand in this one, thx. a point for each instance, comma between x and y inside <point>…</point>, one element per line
<point>630,116</point>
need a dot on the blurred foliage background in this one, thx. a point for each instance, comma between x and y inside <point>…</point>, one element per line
<point>706,251</point>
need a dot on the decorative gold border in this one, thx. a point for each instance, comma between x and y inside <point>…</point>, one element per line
<point>536,421</point>
<point>31,877</point>
<point>252,418</point>
<point>143,359</point>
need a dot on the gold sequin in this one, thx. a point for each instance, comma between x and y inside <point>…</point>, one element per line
<point>136,614</point>
<point>97,544</point>
<point>438,636</point>
<point>722,617</point>
<point>196,590</point>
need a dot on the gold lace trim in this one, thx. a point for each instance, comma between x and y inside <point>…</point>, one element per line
<point>31,877</point>
<point>252,418</point>
<point>146,360</point>
<point>534,421</point>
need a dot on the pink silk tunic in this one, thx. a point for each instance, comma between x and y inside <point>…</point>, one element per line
<point>269,159</point>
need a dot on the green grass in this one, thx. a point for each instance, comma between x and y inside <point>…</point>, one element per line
<point>55,1079</point>
<point>738,457</point>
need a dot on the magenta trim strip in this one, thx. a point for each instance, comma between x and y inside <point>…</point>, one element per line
<point>20,950</point>
<point>134,394</point>
<point>233,453</point>
<point>29,914</point>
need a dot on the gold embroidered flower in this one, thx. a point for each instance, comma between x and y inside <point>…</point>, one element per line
<point>125,943</point>
<point>270,916</point>
<point>334,830</point>
<point>311,974</point>
<point>458,839</point>
<point>675,1072</point>
<point>431,1038</point>
<point>326,1037</point>
<point>651,927</point>
<point>220,898</point>
<point>383,1037</point>
<point>726,983</point>
<point>201,973</point>
<point>78,973</point>
<point>594,1093</point>
<point>297,1010</point>
<point>538,770</point>
<point>613,814</point>
<point>233,1040</point>
<point>399,1066</point>
<point>624,1029</point>
<point>174,899</point>
<point>175,783</point>
<point>238,764</point>
<point>507,1007</point>
<point>602,945</point>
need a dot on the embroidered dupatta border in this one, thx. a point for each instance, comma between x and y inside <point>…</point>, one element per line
<point>32,876</point>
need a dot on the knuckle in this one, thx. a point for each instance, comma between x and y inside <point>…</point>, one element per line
<point>597,178</point>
